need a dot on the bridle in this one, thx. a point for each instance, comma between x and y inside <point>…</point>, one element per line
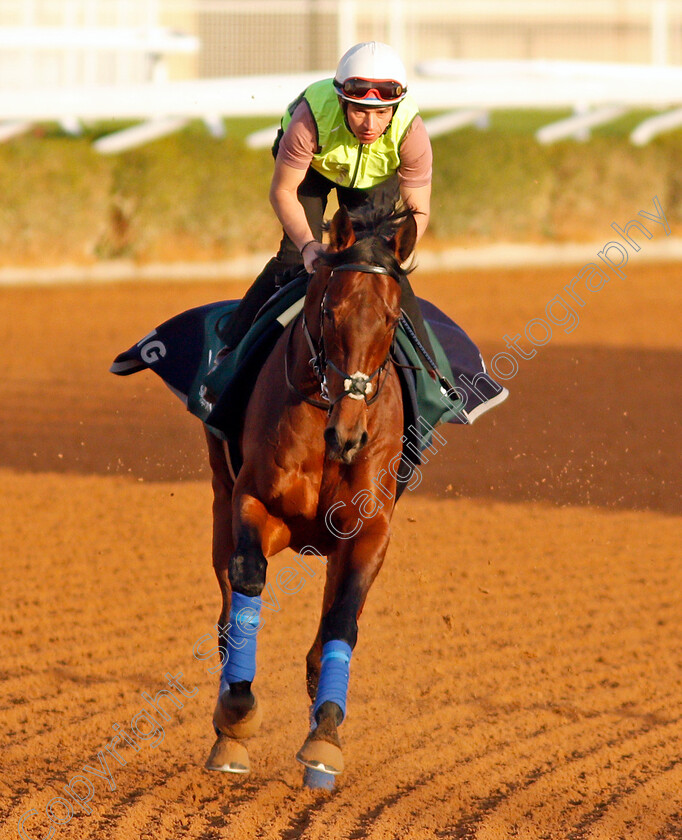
<point>356,386</point>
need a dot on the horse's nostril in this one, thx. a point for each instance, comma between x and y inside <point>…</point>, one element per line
<point>347,448</point>
<point>331,437</point>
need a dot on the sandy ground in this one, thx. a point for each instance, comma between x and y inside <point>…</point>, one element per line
<point>518,673</point>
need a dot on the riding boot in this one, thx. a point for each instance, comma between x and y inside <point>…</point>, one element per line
<point>262,289</point>
<point>410,306</point>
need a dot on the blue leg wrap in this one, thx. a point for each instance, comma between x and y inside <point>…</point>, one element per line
<point>241,640</point>
<point>334,675</point>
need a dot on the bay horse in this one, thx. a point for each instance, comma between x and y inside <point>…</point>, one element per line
<point>324,420</point>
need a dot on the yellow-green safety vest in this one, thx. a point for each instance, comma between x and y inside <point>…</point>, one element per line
<point>340,157</point>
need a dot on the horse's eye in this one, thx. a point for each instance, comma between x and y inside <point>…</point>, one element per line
<point>328,313</point>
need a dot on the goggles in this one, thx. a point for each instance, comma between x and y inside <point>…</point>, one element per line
<point>360,89</point>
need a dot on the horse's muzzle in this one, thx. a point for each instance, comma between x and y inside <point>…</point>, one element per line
<point>344,449</point>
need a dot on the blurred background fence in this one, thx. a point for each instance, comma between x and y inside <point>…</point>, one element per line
<point>84,42</point>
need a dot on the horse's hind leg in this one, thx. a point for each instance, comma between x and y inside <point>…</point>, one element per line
<point>314,657</point>
<point>316,755</point>
<point>237,714</point>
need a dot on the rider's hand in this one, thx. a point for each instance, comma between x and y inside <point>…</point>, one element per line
<point>311,252</point>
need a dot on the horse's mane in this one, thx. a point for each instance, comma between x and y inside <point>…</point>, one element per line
<point>374,225</point>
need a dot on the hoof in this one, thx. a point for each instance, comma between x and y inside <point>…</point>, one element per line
<point>317,780</point>
<point>228,756</point>
<point>322,756</point>
<point>228,722</point>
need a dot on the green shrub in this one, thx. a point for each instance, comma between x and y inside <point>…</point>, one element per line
<point>191,196</point>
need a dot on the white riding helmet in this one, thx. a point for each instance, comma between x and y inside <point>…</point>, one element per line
<point>371,74</point>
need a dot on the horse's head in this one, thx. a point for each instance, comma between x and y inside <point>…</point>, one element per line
<point>352,311</point>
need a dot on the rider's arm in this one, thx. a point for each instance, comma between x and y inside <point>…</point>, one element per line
<point>296,149</point>
<point>284,199</point>
<point>290,212</point>
<point>416,165</point>
<point>419,199</point>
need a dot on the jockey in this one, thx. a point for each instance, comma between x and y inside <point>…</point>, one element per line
<point>361,134</point>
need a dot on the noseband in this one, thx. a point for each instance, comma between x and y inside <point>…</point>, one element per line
<point>357,386</point>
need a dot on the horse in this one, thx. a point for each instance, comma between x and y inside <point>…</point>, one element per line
<point>325,418</point>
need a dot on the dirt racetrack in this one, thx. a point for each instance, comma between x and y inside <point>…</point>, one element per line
<point>519,669</point>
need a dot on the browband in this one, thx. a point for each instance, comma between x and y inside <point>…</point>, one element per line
<point>368,269</point>
<point>365,269</point>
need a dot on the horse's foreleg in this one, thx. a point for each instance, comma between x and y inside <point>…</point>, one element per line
<point>235,716</point>
<point>356,567</point>
<point>238,714</point>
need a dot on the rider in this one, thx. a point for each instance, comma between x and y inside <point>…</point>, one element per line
<point>359,133</point>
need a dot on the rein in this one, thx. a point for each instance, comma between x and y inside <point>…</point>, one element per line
<point>357,386</point>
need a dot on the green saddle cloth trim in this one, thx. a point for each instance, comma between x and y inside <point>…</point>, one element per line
<point>216,379</point>
<point>432,405</point>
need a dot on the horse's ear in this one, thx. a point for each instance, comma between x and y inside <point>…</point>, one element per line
<point>405,239</point>
<point>341,233</point>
